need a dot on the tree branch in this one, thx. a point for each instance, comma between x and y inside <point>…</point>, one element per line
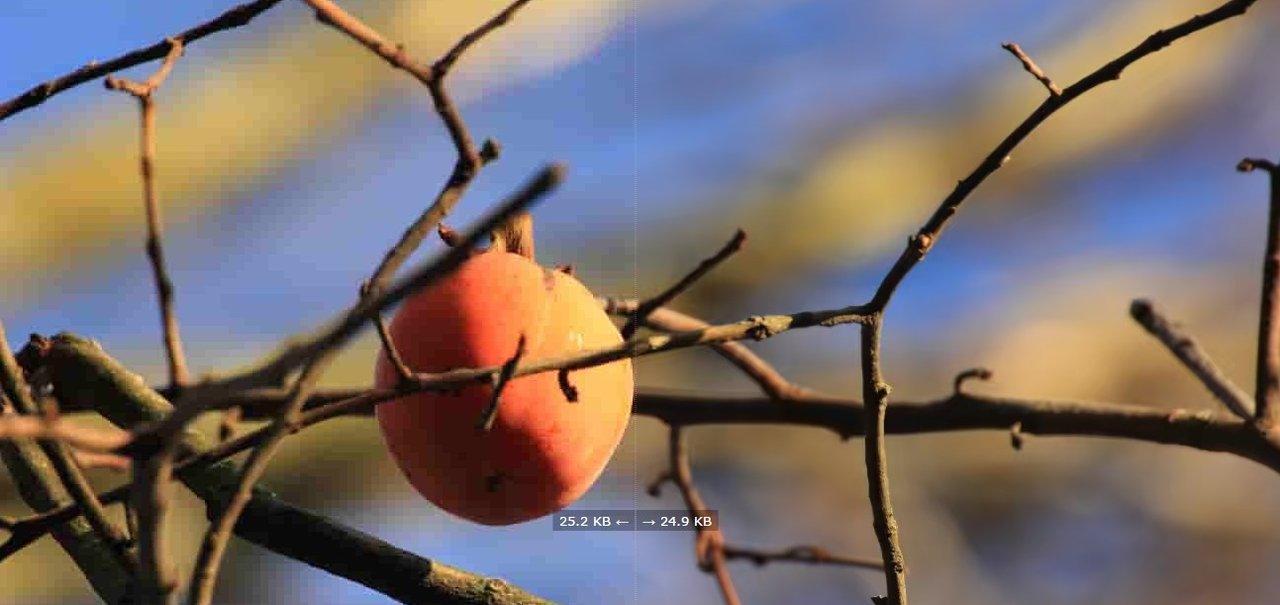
<point>649,306</point>
<point>922,242</point>
<point>1267,394</point>
<point>919,244</point>
<point>1197,360</point>
<point>85,376</point>
<point>143,92</point>
<point>236,17</point>
<point>38,485</point>
<point>876,393</point>
<point>708,542</point>
<point>469,159</point>
<point>17,391</point>
<point>1031,67</point>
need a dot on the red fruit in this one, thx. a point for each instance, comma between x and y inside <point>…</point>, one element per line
<point>543,451</point>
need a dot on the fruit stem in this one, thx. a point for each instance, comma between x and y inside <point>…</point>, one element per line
<point>516,236</point>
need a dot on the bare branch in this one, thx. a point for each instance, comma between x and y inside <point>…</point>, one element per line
<point>469,160</point>
<point>499,383</point>
<point>919,244</point>
<point>178,374</point>
<point>235,17</point>
<point>876,393</point>
<point>446,62</point>
<point>1032,68</point>
<point>15,388</point>
<point>209,560</point>
<point>799,554</point>
<point>208,396</point>
<point>153,474</point>
<point>1267,395</point>
<point>333,15</point>
<point>38,485</point>
<point>770,381</point>
<point>709,542</point>
<point>80,371</point>
<point>19,427</point>
<point>668,295</point>
<point>1197,360</point>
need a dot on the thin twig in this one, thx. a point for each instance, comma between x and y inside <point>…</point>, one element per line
<point>403,371</point>
<point>500,382</point>
<point>446,62</point>
<point>209,560</point>
<point>330,13</point>
<point>566,387</point>
<point>642,313</point>
<point>1196,359</point>
<point>814,555</point>
<point>768,378</point>
<point>919,244</point>
<point>1031,67</point>
<point>143,92</point>
<point>970,374</point>
<point>235,17</point>
<point>1267,395</point>
<point>710,547</point>
<point>151,488</point>
<point>708,542</point>
<point>469,159</point>
<point>876,394</point>
<point>17,427</point>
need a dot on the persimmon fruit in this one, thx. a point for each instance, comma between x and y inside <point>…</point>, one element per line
<point>542,451</point>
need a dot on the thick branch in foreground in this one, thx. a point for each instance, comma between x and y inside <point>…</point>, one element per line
<point>16,389</point>
<point>87,377</point>
<point>37,484</point>
<point>48,478</point>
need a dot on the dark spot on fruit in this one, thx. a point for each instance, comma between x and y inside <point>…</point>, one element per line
<point>493,482</point>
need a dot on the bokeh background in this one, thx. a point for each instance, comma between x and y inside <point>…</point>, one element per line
<point>290,158</point>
